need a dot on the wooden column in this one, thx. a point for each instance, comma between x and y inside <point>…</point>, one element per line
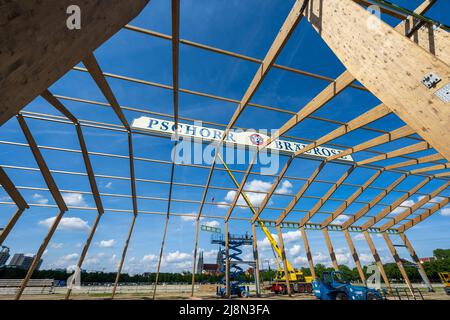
<point>414,256</point>
<point>398,261</point>
<point>256,258</point>
<point>308,252</point>
<point>377,259</point>
<point>283,257</point>
<point>227,261</point>
<point>355,256</point>
<point>197,222</point>
<point>330,249</point>
<point>11,223</point>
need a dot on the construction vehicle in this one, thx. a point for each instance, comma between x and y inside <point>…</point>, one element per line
<point>298,281</point>
<point>333,286</point>
<point>445,278</point>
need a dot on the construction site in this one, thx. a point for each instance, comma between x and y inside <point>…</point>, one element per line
<point>260,149</point>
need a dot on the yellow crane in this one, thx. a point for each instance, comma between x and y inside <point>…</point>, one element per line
<point>445,278</point>
<point>295,275</point>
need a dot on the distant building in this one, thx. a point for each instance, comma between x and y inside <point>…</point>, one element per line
<point>210,268</point>
<point>200,263</point>
<point>427,259</point>
<point>4,255</point>
<point>21,261</point>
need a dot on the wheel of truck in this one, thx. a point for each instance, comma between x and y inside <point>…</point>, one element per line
<point>341,296</point>
<point>371,296</point>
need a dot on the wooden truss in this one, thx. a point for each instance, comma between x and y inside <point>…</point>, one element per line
<point>387,62</point>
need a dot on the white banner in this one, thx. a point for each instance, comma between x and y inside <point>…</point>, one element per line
<point>250,139</point>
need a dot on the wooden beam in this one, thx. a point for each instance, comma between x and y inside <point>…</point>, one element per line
<point>330,249</point>
<point>399,152</point>
<point>175,56</point>
<point>38,48</point>
<point>408,211</point>
<point>399,263</point>
<point>300,193</point>
<point>384,138</point>
<point>377,258</point>
<point>11,223</point>
<point>51,184</point>
<point>430,158</point>
<point>416,259</point>
<point>350,199</point>
<point>424,215</point>
<point>326,196</point>
<point>373,202</point>
<point>383,213</point>
<point>355,256</point>
<point>308,252</point>
<point>366,118</point>
<point>432,168</point>
<point>395,75</point>
<point>256,258</point>
<point>12,191</point>
<point>90,62</point>
<point>283,257</point>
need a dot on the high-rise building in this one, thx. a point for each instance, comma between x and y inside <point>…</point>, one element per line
<point>200,263</point>
<point>4,255</point>
<point>21,261</point>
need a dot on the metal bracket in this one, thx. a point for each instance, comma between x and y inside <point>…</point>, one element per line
<point>431,80</point>
<point>444,93</point>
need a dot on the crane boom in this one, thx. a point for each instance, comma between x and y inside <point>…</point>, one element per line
<point>273,242</point>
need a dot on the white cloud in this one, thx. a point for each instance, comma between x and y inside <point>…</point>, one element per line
<point>109,185</point>
<point>177,256</point>
<point>74,199</point>
<point>107,243</point>
<point>285,188</point>
<point>359,237</point>
<point>445,212</point>
<point>188,218</point>
<point>213,223</point>
<point>69,223</point>
<point>295,250</point>
<point>150,258</point>
<point>40,198</point>
<point>341,219</point>
<point>69,257</point>
<point>401,208</point>
<point>56,245</point>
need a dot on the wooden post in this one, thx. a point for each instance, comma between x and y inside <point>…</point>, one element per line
<point>377,259</point>
<point>256,258</point>
<point>227,261</point>
<point>308,252</point>
<point>283,257</point>
<point>11,223</point>
<point>197,222</point>
<point>355,256</point>
<point>398,261</point>
<point>330,249</point>
<point>414,256</point>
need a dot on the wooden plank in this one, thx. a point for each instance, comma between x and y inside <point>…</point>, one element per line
<point>326,196</point>
<point>399,152</point>
<point>175,56</point>
<point>38,48</point>
<point>11,223</point>
<point>364,119</point>
<point>48,178</point>
<point>350,200</point>
<point>383,213</point>
<point>408,211</point>
<point>355,256</point>
<point>377,258</point>
<point>300,193</point>
<point>373,202</point>
<point>390,65</point>
<point>330,249</point>
<point>430,158</point>
<point>424,215</point>
<point>256,259</point>
<point>283,257</point>
<point>384,138</point>
<point>398,261</point>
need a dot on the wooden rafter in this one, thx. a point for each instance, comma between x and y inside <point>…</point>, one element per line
<point>432,168</point>
<point>430,158</point>
<point>399,152</point>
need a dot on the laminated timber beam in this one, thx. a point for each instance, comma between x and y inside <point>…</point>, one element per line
<point>424,215</point>
<point>431,168</point>
<point>20,202</point>
<point>377,258</point>
<point>350,199</point>
<point>399,262</point>
<point>383,213</point>
<point>283,257</point>
<point>425,159</point>
<point>56,194</point>
<point>308,252</point>
<point>394,76</point>
<point>330,249</point>
<point>355,255</point>
<point>407,212</point>
<point>382,139</point>
<point>256,259</point>
<point>38,48</point>
<point>373,202</point>
<point>421,146</point>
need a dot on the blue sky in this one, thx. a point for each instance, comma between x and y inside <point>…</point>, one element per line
<point>247,27</point>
